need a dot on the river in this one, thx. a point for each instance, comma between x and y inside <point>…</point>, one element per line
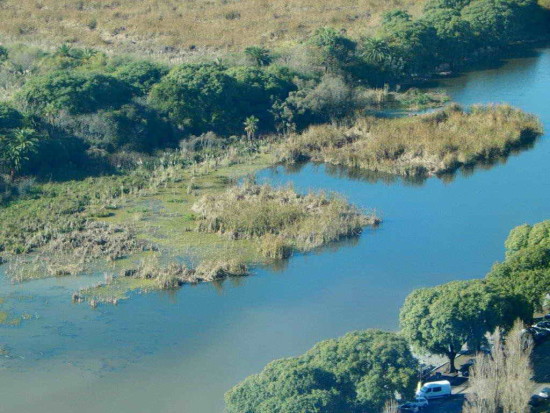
<point>180,351</point>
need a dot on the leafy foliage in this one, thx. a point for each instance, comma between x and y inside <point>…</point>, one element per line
<point>355,373</point>
<point>75,92</point>
<point>444,318</point>
<point>141,75</point>
<point>526,270</point>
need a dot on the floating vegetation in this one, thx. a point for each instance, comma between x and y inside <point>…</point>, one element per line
<point>151,275</point>
<point>68,253</point>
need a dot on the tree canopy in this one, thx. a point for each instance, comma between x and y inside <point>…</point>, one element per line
<point>355,373</point>
<point>75,92</point>
<point>442,319</point>
<point>526,269</point>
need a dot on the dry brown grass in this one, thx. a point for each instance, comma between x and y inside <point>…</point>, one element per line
<point>135,25</point>
<point>435,143</point>
<point>501,382</point>
<point>279,219</point>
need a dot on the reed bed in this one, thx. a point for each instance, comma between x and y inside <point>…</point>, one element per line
<point>151,274</point>
<point>279,219</point>
<point>424,145</point>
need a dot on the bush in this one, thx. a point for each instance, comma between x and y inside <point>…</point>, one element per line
<point>74,92</point>
<point>10,118</point>
<point>199,98</point>
<point>141,75</point>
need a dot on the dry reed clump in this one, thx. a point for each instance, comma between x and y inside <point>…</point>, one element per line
<point>280,219</point>
<point>163,277</point>
<point>501,381</point>
<point>435,143</point>
<point>97,240</point>
<point>68,253</point>
<point>176,274</point>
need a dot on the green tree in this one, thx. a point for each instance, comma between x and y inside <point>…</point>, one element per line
<point>355,373</point>
<point>259,55</point>
<point>16,148</point>
<point>454,38</point>
<point>442,319</point>
<point>10,118</point>
<point>141,75</point>
<point>526,269</point>
<point>414,42</point>
<point>74,92</point>
<point>335,51</point>
<point>199,98</point>
<point>375,50</point>
<point>499,22</point>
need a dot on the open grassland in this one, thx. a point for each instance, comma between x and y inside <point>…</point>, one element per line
<point>133,25</point>
<point>435,143</point>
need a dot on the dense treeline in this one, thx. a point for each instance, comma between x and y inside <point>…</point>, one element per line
<point>78,109</point>
<point>444,318</point>
<point>438,320</point>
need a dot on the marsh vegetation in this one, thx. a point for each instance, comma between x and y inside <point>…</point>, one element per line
<point>429,144</point>
<point>280,220</point>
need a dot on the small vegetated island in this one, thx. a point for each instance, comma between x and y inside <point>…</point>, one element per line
<point>131,167</point>
<point>363,370</point>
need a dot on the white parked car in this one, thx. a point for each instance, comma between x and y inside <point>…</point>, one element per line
<point>435,389</point>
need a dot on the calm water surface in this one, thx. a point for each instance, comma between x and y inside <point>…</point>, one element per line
<point>180,351</point>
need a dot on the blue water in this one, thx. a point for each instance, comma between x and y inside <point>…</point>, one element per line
<point>180,351</point>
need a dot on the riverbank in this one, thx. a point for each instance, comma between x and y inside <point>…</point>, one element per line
<point>163,212</point>
<point>188,346</point>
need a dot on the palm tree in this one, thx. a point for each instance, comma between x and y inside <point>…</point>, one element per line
<point>88,53</point>
<point>251,126</point>
<point>64,50</point>
<point>259,55</point>
<point>16,149</point>
<point>375,51</point>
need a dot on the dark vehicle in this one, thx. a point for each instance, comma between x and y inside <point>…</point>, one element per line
<point>538,334</point>
<point>465,368</point>
<point>544,325</point>
<point>542,398</point>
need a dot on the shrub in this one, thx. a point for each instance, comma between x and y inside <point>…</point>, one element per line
<point>75,92</point>
<point>141,75</point>
<point>10,118</point>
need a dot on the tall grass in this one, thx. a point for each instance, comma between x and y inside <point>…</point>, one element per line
<point>280,219</point>
<point>139,25</point>
<point>434,143</point>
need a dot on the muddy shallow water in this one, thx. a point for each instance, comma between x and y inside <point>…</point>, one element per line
<point>180,351</point>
